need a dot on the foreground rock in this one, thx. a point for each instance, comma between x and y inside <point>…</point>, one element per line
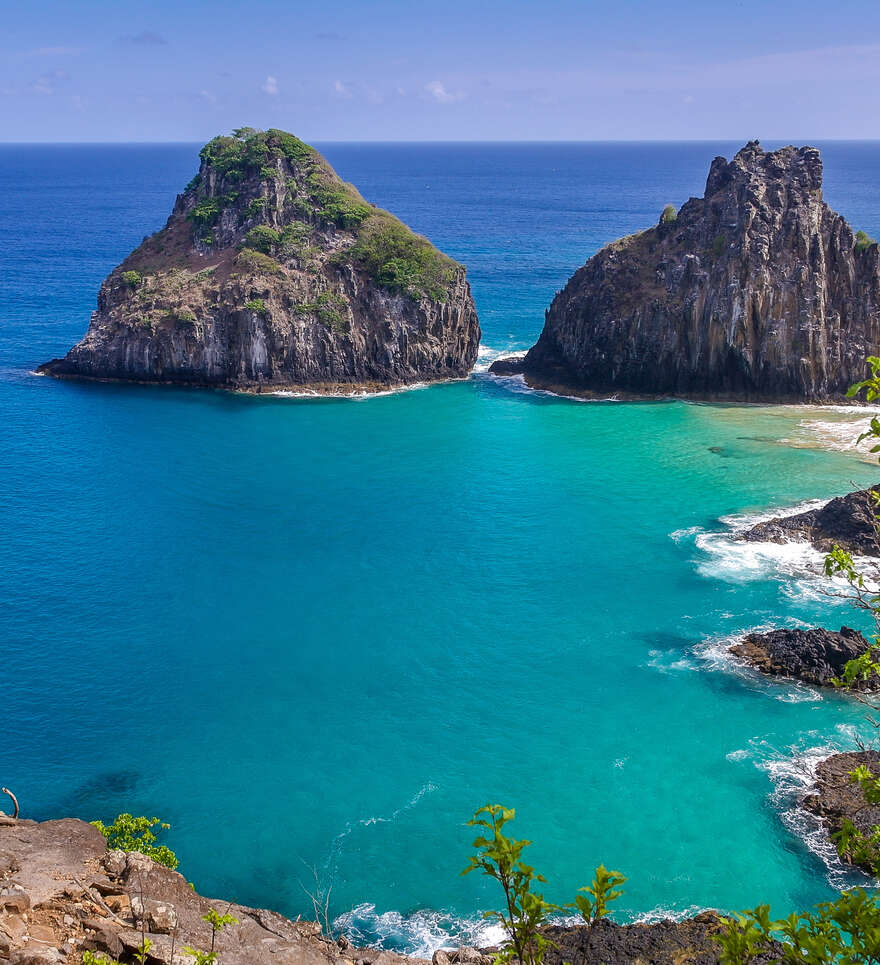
<point>62,893</point>
<point>847,521</point>
<point>660,943</point>
<point>815,656</point>
<point>272,273</point>
<point>757,291</point>
<point>837,799</point>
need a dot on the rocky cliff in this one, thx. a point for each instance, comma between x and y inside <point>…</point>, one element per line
<point>273,273</point>
<point>757,291</point>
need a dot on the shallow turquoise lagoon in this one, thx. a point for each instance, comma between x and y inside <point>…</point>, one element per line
<point>320,633</point>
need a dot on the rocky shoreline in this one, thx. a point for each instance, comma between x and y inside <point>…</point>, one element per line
<point>836,798</point>
<point>847,521</point>
<point>63,893</point>
<point>815,656</point>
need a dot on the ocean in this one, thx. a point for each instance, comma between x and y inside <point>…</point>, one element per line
<point>316,634</point>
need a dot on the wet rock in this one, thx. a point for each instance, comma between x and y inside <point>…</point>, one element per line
<point>754,292</point>
<point>815,656</point>
<point>837,799</point>
<point>847,521</point>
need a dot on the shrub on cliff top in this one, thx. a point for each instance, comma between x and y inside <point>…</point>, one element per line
<point>129,833</point>
<point>669,214</point>
<point>262,238</point>
<point>400,260</point>
<point>864,241</point>
<point>131,278</point>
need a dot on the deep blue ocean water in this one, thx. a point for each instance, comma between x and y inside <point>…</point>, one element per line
<point>320,633</point>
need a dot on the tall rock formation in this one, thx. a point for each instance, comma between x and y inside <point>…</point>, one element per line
<point>757,291</point>
<point>273,273</point>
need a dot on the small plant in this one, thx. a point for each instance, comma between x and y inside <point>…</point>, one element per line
<point>864,241</point>
<point>593,905</point>
<point>500,857</point>
<point>669,214</point>
<point>719,245</point>
<point>131,278</point>
<point>98,958</point>
<point>201,958</point>
<point>143,951</point>
<point>256,305</point>
<point>129,833</point>
<point>218,922</point>
<point>844,931</point>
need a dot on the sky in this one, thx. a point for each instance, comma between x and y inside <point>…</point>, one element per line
<point>410,70</point>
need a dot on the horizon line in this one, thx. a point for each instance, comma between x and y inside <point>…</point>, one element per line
<point>467,141</point>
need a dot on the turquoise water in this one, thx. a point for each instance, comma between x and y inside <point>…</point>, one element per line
<point>320,633</point>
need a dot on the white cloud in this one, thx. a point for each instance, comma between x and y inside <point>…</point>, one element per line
<point>438,91</point>
<point>46,83</point>
<point>341,90</point>
<point>206,95</point>
<point>270,87</point>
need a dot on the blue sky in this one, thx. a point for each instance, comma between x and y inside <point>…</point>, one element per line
<point>74,70</point>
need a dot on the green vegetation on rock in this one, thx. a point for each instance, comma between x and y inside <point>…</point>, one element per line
<point>128,833</point>
<point>669,214</point>
<point>257,262</point>
<point>864,241</point>
<point>256,305</point>
<point>131,278</point>
<point>400,260</point>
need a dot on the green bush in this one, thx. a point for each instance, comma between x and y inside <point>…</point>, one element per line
<point>256,207</point>
<point>129,833</point>
<point>256,305</point>
<point>205,213</point>
<point>669,214</point>
<point>400,260</point>
<point>262,238</point>
<point>255,261</point>
<point>131,278</point>
<point>294,237</point>
<point>719,245</point>
<point>864,241</point>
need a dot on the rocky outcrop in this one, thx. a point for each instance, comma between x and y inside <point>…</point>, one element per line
<point>272,273</point>
<point>63,893</point>
<point>658,943</point>
<point>837,798</point>
<point>815,656</point>
<point>849,522</point>
<point>757,291</point>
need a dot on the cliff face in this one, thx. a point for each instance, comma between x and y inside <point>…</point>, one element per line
<point>757,291</point>
<point>272,272</point>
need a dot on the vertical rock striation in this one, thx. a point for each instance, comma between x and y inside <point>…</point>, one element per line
<point>756,291</point>
<point>273,273</point>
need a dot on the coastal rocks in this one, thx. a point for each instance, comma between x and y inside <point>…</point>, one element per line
<point>849,522</point>
<point>837,798</point>
<point>757,291</point>
<point>68,894</point>
<point>272,273</point>
<point>815,656</point>
<point>659,943</point>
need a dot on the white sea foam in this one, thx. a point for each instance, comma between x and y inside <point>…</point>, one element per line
<point>670,663</point>
<point>839,433</point>
<point>487,355</point>
<point>420,933</point>
<point>793,773</point>
<point>664,913</point>
<point>355,395</point>
<point>715,654</point>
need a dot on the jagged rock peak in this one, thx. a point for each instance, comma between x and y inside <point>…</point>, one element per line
<point>756,291</point>
<point>272,272</point>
